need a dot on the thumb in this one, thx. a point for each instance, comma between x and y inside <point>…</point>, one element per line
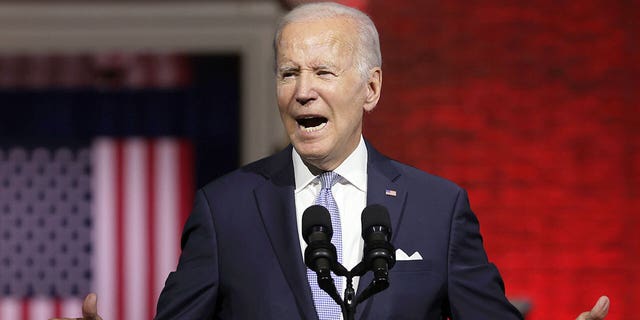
<point>90,307</point>
<point>599,311</point>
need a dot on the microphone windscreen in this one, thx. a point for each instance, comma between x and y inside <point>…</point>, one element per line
<point>375,215</point>
<point>314,216</point>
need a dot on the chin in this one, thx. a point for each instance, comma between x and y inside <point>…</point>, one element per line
<point>311,146</point>
<point>311,152</point>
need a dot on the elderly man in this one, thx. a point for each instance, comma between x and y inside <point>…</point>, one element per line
<point>241,247</point>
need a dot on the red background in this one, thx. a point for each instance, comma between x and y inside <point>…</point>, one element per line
<point>532,107</point>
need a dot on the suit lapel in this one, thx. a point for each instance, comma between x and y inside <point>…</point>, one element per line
<point>275,201</point>
<point>385,187</point>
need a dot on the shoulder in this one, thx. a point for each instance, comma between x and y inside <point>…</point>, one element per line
<point>412,177</point>
<point>249,176</point>
<point>425,179</point>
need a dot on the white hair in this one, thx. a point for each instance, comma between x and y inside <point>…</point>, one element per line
<point>368,54</point>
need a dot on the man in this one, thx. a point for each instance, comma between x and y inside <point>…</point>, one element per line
<point>242,248</point>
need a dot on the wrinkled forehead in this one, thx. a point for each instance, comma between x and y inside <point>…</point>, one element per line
<point>337,35</point>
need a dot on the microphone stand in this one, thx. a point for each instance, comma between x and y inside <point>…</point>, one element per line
<point>379,257</point>
<point>351,301</point>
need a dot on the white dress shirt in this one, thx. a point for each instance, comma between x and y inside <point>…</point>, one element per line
<point>350,193</point>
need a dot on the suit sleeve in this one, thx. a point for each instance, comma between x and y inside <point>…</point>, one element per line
<point>475,288</point>
<point>191,291</point>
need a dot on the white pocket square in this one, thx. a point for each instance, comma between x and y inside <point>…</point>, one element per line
<point>402,256</point>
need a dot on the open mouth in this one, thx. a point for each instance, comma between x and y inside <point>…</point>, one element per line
<point>311,124</point>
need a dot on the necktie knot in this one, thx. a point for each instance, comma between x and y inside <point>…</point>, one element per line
<point>328,179</point>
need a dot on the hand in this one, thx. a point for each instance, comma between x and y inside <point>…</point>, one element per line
<point>89,309</point>
<point>599,311</point>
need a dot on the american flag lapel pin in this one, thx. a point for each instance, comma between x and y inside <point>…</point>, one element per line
<point>390,192</point>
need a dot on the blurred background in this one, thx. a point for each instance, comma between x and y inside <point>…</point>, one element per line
<point>114,112</point>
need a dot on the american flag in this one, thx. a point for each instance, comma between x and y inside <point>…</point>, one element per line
<point>104,217</point>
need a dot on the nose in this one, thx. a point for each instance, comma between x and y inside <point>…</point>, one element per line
<point>305,90</point>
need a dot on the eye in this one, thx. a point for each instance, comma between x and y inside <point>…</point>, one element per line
<point>325,73</point>
<point>287,74</point>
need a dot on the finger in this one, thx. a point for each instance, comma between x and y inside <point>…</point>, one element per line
<point>600,309</point>
<point>584,316</point>
<point>598,312</point>
<point>90,307</point>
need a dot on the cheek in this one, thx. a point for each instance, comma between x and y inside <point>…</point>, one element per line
<point>283,96</point>
<point>352,107</point>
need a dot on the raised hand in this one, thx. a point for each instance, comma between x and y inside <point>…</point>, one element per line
<point>89,309</point>
<point>599,311</point>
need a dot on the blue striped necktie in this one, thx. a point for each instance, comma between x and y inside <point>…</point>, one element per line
<point>326,308</point>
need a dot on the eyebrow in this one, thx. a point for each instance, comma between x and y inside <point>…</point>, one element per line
<point>322,65</point>
<point>318,66</point>
<point>284,69</point>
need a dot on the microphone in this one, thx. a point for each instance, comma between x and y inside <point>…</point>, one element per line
<point>320,254</point>
<point>379,254</point>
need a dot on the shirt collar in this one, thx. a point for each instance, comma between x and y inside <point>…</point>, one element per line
<point>353,169</point>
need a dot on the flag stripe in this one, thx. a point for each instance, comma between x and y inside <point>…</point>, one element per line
<point>104,205</point>
<point>120,237</point>
<point>167,234</point>
<point>40,308</point>
<point>9,309</point>
<point>151,222</point>
<point>25,305</point>
<point>57,308</point>
<point>135,229</point>
<point>73,307</point>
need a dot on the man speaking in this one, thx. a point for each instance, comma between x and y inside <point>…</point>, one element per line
<point>242,246</point>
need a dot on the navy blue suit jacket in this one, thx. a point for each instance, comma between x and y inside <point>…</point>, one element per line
<point>241,256</point>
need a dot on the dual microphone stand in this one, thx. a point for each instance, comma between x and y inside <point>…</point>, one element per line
<point>320,255</point>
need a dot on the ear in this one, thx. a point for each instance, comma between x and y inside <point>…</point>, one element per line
<point>374,86</point>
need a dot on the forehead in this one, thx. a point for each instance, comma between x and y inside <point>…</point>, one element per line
<point>316,37</point>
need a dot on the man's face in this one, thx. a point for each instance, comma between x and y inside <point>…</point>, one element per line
<point>321,94</point>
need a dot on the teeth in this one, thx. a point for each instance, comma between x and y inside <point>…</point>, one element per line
<point>313,129</point>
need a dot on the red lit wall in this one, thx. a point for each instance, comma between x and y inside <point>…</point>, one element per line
<point>533,107</point>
